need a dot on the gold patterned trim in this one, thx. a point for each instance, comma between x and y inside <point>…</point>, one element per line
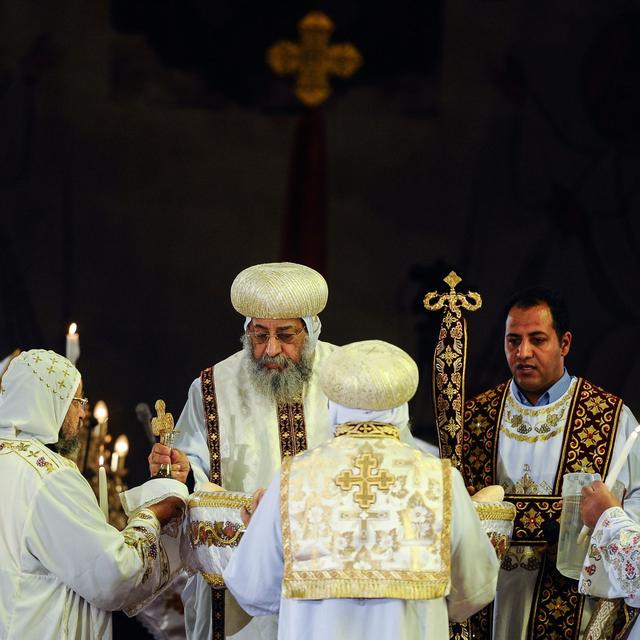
<point>375,586</point>
<point>368,430</point>
<point>213,579</point>
<point>514,427</point>
<point>210,407</point>
<point>35,454</point>
<point>291,429</point>
<point>491,511</point>
<point>218,499</point>
<point>212,534</point>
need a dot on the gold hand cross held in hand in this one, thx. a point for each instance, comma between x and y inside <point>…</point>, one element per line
<point>162,426</point>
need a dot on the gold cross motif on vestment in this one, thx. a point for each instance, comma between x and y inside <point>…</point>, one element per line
<point>314,59</point>
<point>364,517</point>
<point>366,463</point>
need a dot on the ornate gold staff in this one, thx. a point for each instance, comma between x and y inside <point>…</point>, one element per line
<point>449,361</point>
<point>162,426</point>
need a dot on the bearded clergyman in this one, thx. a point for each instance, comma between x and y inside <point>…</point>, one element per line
<point>248,412</point>
<point>63,568</point>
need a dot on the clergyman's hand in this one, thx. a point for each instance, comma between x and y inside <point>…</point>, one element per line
<point>246,514</point>
<point>160,455</point>
<point>596,499</point>
<point>167,509</point>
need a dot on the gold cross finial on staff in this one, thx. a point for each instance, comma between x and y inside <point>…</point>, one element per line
<point>314,59</point>
<point>435,301</point>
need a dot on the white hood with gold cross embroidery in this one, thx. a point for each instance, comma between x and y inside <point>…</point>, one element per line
<point>35,395</point>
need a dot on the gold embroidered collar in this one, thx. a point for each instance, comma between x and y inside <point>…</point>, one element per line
<point>535,424</point>
<point>368,430</point>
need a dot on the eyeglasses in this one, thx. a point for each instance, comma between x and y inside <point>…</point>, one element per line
<point>286,337</point>
<point>83,402</point>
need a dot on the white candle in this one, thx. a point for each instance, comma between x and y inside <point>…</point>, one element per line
<point>114,461</point>
<point>102,489</point>
<point>619,462</point>
<point>73,343</point>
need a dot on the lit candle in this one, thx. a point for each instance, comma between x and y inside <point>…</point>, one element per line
<point>73,343</point>
<point>101,414</point>
<point>114,461</point>
<point>121,449</point>
<point>102,489</point>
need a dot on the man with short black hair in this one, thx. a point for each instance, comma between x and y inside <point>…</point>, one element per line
<point>525,434</point>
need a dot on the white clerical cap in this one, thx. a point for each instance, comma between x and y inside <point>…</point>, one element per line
<point>371,374</point>
<point>279,290</point>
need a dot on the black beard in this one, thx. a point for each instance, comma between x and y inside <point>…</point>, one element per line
<point>282,386</point>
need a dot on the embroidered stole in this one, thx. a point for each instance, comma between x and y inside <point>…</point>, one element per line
<point>557,606</point>
<point>293,439</point>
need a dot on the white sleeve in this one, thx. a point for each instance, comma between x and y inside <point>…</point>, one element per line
<point>67,533</point>
<point>611,568</point>
<point>254,574</point>
<point>474,565</point>
<point>192,434</point>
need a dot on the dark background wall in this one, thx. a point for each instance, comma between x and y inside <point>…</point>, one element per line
<point>146,158</point>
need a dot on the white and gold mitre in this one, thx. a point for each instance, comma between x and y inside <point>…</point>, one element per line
<point>279,290</point>
<point>371,374</point>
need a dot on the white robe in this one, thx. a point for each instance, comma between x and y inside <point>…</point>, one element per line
<point>254,576</point>
<point>63,568</point>
<point>250,455</point>
<point>612,566</point>
<point>516,586</point>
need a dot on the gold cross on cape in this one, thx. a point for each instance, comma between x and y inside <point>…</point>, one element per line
<point>314,59</point>
<point>366,463</point>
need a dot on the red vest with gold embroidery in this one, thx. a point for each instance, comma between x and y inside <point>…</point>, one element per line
<point>592,410</point>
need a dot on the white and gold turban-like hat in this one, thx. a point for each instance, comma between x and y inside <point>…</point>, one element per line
<point>279,290</point>
<point>371,375</point>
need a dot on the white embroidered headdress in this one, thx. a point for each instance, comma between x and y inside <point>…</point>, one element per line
<point>279,290</point>
<point>371,374</point>
<point>36,392</point>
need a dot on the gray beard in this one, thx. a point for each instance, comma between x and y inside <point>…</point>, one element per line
<point>281,386</point>
<point>67,447</point>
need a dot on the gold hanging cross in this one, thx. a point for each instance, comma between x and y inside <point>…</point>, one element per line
<point>366,464</point>
<point>314,59</point>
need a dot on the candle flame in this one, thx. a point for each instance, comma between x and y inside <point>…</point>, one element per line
<point>100,412</point>
<point>122,445</point>
<point>73,328</point>
<point>101,461</point>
